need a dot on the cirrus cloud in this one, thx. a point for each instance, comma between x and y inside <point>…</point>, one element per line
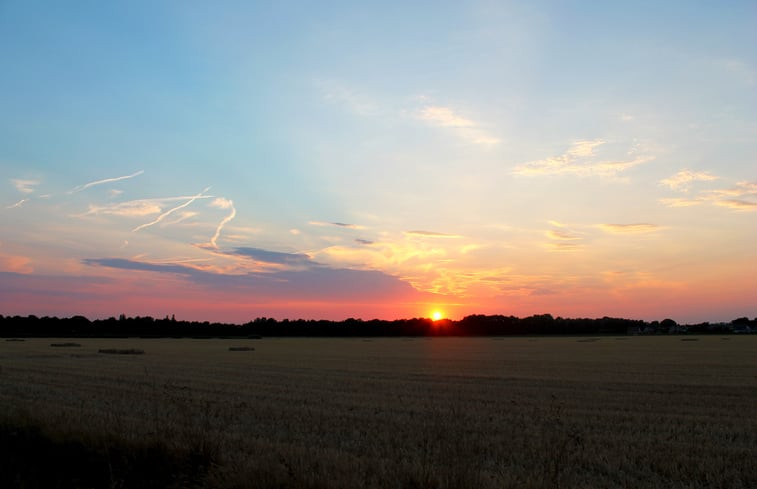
<point>24,186</point>
<point>467,129</point>
<point>580,159</point>
<point>635,228</point>
<point>682,180</point>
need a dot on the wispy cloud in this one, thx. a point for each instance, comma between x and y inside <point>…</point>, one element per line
<point>562,235</point>
<point>320,282</point>
<point>337,224</point>
<point>431,234</point>
<point>741,71</point>
<point>564,246</point>
<point>682,180</point>
<point>680,202</point>
<point>15,263</point>
<point>636,228</point>
<point>740,189</point>
<point>350,98</point>
<point>584,148</point>
<point>17,204</point>
<point>170,211</point>
<point>446,117</point>
<point>183,216</point>
<point>132,208</point>
<point>274,257</point>
<point>741,205</point>
<point>742,196</point>
<point>580,159</point>
<point>24,186</point>
<point>101,182</point>
<point>137,208</point>
<point>222,203</point>
<point>563,238</point>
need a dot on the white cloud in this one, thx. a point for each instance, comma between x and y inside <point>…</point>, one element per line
<point>465,128</point>
<point>221,203</point>
<point>24,186</point>
<point>584,148</point>
<point>134,208</point>
<point>580,159</point>
<point>682,180</point>
<point>17,204</point>
<point>444,117</point>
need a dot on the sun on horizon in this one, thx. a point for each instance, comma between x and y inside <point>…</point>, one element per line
<point>437,315</point>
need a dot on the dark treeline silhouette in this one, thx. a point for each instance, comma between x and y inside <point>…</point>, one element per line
<point>474,325</point>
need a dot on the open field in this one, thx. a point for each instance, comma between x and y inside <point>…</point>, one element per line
<point>563,412</point>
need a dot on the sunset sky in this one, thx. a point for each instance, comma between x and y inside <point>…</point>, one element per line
<point>228,160</point>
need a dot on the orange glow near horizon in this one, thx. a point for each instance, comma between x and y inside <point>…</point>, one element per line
<point>437,315</point>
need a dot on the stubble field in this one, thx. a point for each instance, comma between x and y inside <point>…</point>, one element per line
<point>635,412</point>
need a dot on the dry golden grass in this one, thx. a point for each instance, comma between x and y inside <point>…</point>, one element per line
<point>630,412</point>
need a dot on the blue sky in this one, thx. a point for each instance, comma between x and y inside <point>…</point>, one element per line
<point>526,157</point>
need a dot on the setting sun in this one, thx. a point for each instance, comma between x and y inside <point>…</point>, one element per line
<point>436,315</point>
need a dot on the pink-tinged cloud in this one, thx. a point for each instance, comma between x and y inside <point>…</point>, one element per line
<point>431,234</point>
<point>15,263</point>
<point>137,288</point>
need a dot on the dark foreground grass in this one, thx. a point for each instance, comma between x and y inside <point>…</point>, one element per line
<point>37,455</point>
<point>645,413</point>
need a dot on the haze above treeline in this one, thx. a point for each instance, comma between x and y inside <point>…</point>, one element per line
<point>473,325</point>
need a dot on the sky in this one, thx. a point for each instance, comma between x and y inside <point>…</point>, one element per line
<point>223,161</point>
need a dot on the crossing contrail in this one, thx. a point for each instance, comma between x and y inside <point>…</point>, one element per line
<point>170,211</point>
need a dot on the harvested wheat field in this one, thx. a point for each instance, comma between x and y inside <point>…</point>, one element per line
<point>635,412</point>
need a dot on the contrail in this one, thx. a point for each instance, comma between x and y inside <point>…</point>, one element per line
<point>222,224</point>
<point>100,182</point>
<point>170,211</point>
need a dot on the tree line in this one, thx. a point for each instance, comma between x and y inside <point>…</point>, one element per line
<point>473,325</point>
